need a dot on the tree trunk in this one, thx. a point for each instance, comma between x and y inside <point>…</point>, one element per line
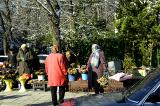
<point>7,29</point>
<point>55,28</point>
<point>54,17</point>
<point>5,44</point>
<point>4,35</point>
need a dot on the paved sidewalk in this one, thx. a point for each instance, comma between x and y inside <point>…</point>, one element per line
<point>30,98</point>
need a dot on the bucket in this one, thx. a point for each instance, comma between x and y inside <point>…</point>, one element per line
<point>84,76</point>
<point>71,77</point>
<point>41,77</point>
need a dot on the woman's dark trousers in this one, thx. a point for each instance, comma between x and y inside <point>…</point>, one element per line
<point>54,94</point>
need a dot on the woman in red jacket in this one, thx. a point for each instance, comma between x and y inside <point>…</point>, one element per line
<point>55,65</point>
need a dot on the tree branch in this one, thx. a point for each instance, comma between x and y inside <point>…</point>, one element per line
<point>2,22</point>
<point>8,11</point>
<point>52,8</point>
<point>3,14</point>
<point>40,3</point>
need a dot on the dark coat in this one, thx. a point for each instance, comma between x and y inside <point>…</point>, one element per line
<point>12,60</point>
<point>95,73</point>
<point>24,66</point>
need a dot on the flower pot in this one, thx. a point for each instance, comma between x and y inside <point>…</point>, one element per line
<point>22,86</point>
<point>41,77</point>
<point>71,77</point>
<point>8,83</point>
<point>84,76</point>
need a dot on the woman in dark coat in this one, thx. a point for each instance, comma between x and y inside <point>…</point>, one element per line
<point>24,58</point>
<point>96,66</point>
<point>12,59</point>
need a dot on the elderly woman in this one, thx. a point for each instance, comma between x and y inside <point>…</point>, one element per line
<point>96,66</point>
<point>24,58</point>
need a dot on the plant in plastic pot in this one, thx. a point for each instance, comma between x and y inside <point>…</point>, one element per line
<point>72,73</point>
<point>40,74</point>
<point>83,72</point>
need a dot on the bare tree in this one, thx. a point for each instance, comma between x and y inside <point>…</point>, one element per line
<point>53,10</point>
<point>5,17</point>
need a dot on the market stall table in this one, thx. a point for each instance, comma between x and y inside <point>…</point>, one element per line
<point>38,84</point>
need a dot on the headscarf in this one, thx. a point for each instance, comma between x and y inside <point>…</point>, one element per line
<point>23,46</point>
<point>95,55</point>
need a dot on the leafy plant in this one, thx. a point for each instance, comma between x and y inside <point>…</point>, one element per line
<point>128,63</point>
<point>146,50</point>
<point>83,69</point>
<point>40,72</point>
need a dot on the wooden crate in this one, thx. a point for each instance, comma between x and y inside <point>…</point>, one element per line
<point>112,86</point>
<point>80,85</point>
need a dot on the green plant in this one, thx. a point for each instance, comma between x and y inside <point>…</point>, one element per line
<point>83,69</point>
<point>146,50</point>
<point>128,63</point>
<point>40,72</point>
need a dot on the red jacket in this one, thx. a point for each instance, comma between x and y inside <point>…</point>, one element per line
<point>55,66</point>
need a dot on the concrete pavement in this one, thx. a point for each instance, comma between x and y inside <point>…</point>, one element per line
<point>31,98</point>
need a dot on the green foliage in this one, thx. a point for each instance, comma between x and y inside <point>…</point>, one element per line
<point>137,17</point>
<point>146,50</point>
<point>128,63</point>
<point>137,21</point>
<point>48,39</point>
<point>143,47</point>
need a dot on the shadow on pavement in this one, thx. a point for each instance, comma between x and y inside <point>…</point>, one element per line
<point>12,97</point>
<point>67,102</point>
<point>41,104</point>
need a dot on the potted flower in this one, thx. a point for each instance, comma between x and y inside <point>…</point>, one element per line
<point>102,81</point>
<point>71,73</point>
<point>22,79</point>
<point>40,74</point>
<point>7,77</point>
<point>83,72</point>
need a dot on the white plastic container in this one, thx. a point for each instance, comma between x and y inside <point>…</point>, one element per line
<point>40,77</point>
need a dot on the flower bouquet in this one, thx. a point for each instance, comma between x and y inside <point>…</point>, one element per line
<point>72,71</point>
<point>23,78</point>
<point>102,81</point>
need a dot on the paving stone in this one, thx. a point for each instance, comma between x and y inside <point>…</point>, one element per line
<point>31,98</point>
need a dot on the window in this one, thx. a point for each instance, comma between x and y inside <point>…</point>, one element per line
<point>154,97</point>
